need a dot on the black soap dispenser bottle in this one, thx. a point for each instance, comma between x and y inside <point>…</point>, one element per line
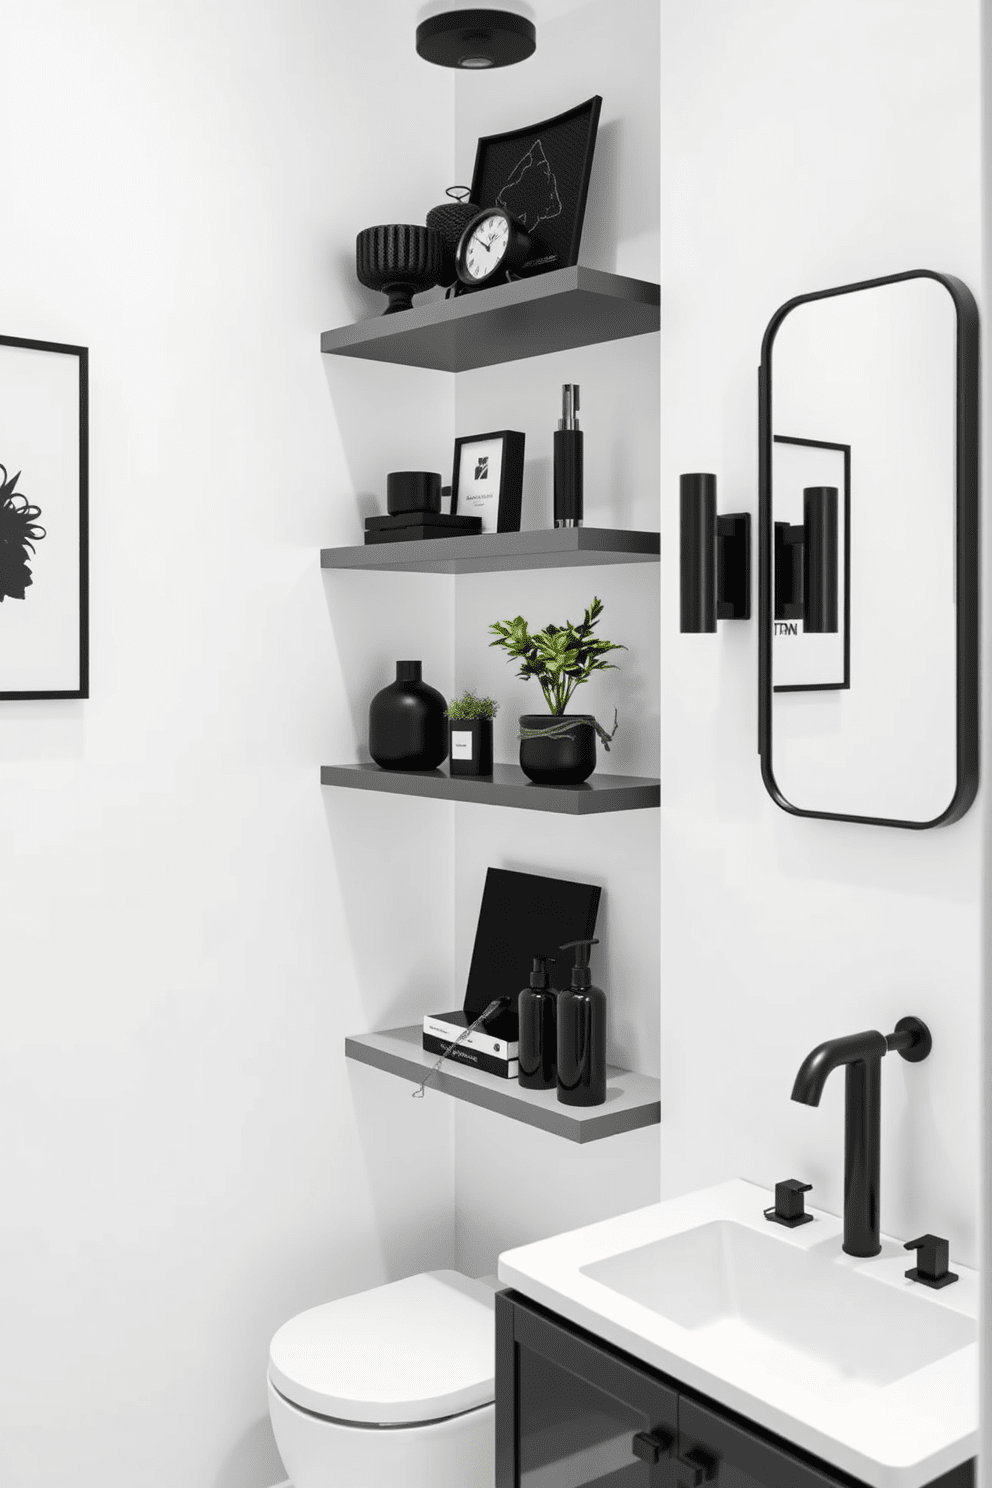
<point>537,1049</point>
<point>581,1034</point>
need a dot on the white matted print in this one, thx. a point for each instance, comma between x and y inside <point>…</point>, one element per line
<point>480,466</point>
<point>43,520</point>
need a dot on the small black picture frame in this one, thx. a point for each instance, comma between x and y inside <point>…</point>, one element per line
<point>487,480</point>
<point>44,499</point>
<point>540,175</point>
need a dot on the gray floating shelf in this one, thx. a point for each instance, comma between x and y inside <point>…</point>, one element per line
<point>550,312</point>
<point>632,1101</point>
<point>506,786</point>
<point>497,552</point>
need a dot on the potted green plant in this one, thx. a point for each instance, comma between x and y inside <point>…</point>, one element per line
<point>558,748</point>
<point>470,734</point>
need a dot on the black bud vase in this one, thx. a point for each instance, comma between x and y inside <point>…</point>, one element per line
<point>408,729</point>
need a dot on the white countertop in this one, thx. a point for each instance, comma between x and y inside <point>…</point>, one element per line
<point>892,1429</point>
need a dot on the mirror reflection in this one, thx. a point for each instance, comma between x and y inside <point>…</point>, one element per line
<point>862,712</point>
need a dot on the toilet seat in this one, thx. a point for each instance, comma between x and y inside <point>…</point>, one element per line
<point>416,1350</point>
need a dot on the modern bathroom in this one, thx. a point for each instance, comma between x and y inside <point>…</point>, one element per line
<point>496,965</point>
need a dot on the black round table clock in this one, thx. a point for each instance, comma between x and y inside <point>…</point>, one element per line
<point>492,246</point>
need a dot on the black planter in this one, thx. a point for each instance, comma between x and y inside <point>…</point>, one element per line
<point>400,259</point>
<point>566,760</point>
<point>407,726</point>
<point>471,746</point>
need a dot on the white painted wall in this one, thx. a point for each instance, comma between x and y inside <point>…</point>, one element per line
<point>514,1184</point>
<point>802,146</point>
<point>189,925</point>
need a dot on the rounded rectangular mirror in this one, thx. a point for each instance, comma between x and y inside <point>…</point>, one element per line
<point>868,552</point>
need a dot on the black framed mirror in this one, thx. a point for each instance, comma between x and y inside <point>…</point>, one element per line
<point>868,608</point>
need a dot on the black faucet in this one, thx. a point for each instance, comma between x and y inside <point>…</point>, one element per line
<point>862,1053</point>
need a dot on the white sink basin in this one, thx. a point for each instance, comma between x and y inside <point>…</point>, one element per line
<point>783,1308</point>
<point>842,1356</point>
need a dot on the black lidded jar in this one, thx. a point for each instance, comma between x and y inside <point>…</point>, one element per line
<point>582,1034</point>
<point>408,729</point>
<point>537,1049</point>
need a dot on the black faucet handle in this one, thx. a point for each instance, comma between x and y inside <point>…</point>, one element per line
<point>932,1258</point>
<point>789,1207</point>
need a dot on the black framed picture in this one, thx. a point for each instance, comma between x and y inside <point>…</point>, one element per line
<point>44,461</point>
<point>488,479</point>
<point>540,176</point>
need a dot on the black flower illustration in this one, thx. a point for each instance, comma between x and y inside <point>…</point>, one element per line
<point>19,531</point>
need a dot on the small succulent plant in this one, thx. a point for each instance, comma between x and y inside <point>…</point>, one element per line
<point>470,705</point>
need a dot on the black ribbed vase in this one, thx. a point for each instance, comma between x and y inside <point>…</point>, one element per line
<point>408,729</point>
<point>566,760</point>
<point>400,259</point>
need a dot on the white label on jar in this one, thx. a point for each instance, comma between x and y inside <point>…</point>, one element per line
<point>461,744</point>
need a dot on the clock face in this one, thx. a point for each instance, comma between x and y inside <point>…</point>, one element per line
<point>487,247</point>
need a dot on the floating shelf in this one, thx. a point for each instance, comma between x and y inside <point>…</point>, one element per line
<point>632,1101</point>
<point>506,786</point>
<point>550,312</point>
<point>497,552</point>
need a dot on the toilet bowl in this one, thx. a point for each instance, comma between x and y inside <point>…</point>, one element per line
<point>392,1386</point>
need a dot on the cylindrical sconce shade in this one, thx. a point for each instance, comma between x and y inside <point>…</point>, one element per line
<point>697,494</point>
<point>820,559</point>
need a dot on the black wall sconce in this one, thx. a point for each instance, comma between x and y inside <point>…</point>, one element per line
<point>715,558</point>
<point>476,39</point>
<point>806,564</point>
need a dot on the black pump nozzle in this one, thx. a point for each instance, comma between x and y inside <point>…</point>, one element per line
<point>581,975</point>
<point>540,977</point>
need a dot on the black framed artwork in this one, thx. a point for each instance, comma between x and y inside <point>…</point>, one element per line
<point>487,479</point>
<point>540,176</point>
<point>44,460</point>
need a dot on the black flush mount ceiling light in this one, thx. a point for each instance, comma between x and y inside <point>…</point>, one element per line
<point>476,39</point>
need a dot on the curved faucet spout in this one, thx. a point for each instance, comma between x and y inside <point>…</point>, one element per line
<point>855,1048</point>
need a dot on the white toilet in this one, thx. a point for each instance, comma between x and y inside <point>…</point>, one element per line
<point>393,1386</point>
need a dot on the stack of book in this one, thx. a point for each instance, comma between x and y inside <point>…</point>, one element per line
<point>412,526</point>
<point>484,1049</point>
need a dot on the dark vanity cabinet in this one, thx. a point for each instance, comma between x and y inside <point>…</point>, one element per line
<point>572,1412</point>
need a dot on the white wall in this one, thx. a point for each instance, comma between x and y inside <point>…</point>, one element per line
<point>514,1184</point>
<point>189,924</point>
<point>802,146</point>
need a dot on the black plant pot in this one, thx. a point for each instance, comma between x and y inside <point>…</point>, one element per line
<point>400,259</point>
<point>407,726</point>
<point>471,746</point>
<point>566,760</point>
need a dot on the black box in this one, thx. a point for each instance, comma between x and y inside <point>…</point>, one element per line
<point>418,532</point>
<point>423,519</point>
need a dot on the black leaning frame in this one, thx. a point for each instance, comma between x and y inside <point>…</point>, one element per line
<point>966,563</point>
<point>845,450</point>
<point>592,107</point>
<point>82,352</point>
<point>509,500</point>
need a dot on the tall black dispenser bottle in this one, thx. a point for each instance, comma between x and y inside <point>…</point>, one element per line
<point>568,460</point>
<point>538,1038</point>
<point>582,1034</point>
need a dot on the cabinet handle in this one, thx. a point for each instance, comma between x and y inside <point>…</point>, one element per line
<point>695,1468</point>
<point>651,1446</point>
